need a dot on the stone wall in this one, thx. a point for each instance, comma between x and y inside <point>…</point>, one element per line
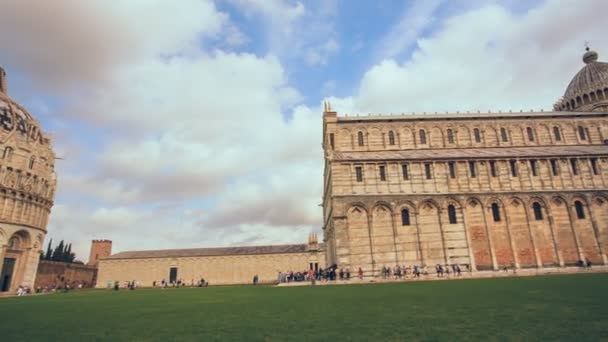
<point>54,273</point>
<point>227,269</point>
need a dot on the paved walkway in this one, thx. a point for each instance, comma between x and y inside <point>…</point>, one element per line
<point>465,275</point>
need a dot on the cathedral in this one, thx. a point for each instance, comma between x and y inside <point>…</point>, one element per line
<point>27,190</point>
<point>486,190</point>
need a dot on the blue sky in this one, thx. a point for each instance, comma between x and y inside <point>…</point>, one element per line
<point>198,123</point>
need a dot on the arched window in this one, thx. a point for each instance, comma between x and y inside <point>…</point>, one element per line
<point>530,133</point>
<point>538,211</point>
<point>581,133</point>
<point>405,217</point>
<point>360,138</point>
<point>450,136</point>
<point>391,138</point>
<point>13,243</point>
<point>477,135</point>
<point>452,214</point>
<point>422,137</point>
<point>7,152</point>
<point>32,162</point>
<point>557,134</point>
<point>503,134</point>
<point>496,212</point>
<point>580,211</point>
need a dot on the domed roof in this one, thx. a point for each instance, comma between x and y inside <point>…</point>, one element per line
<point>588,90</point>
<point>593,76</point>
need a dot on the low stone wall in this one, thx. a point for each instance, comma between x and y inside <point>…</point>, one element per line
<point>58,274</point>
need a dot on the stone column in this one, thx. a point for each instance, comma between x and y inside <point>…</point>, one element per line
<point>596,233</point>
<point>558,250</point>
<point>539,262</point>
<point>394,226</point>
<point>577,241</point>
<point>511,242</point>
<point>30,267</point>
<point>489,235</point>
<point>2,254</point>
<point>440,211</point>
<point>468,237</point>
<point>418,242</point>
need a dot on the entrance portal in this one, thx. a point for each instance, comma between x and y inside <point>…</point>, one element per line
<point>7,273</point>
<point>173,275</point>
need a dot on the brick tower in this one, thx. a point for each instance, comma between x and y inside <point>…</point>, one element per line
<point>99,249</point>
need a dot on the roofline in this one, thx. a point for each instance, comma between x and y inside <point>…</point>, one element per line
<point>466,116</point>
<point>113,257</point>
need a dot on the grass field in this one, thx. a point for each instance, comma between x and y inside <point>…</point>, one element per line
<point>571,307</point>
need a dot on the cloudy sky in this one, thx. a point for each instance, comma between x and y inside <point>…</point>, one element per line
<point>198,122</point>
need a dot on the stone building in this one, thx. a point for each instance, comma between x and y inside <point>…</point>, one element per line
<point>27,189</point>
<point>490,190</point>
<point>223,265</point>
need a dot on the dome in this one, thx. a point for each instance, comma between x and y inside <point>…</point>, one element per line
<point>26,150</point>
<point>588,90</point>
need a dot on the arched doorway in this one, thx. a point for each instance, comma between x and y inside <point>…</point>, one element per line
<point>14,261</point>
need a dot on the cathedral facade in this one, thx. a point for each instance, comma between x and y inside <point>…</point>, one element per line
<point>27,190</point>
<point>488,190</point>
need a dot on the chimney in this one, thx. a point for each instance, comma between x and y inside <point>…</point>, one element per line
<point>2,81</point>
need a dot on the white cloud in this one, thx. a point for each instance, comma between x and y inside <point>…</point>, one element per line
<point>297,31</point>
<point>189,136</point>
<point>487,59</point>
<point>415,18</point>
<point>320,55</point>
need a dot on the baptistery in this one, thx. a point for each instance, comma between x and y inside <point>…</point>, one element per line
<point>27,189</point>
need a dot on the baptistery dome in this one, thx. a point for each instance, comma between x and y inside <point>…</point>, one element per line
<point>588,90</point>
<point>27,188</point>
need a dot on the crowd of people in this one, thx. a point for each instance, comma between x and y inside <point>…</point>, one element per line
<point>163,284</point>
<point>65,287</point>
<point>329,273</point>
<point>398,272</point>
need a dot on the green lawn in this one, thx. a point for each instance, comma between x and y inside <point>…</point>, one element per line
<point>570,307</point>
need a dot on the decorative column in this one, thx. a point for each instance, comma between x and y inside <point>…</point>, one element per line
<point>440,211</point>
<point>468,237</point>
<point>596,233</point>
<point>558,250</point>
<point>539,262</point>
<point>2,254</point>
<point>511,242</point>
<point>489,235</point>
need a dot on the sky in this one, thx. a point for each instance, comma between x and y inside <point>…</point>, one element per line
<point>198,123</point>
